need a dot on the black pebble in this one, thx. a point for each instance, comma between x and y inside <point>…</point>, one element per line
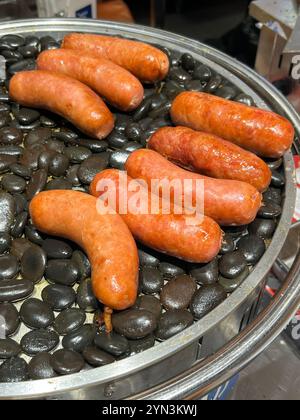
<point>118,159</point>
<point>80,339</point>
<point>252,247</point>
<point>40,367</point>
<point>273,195</point>
<point>232,264</point>
<point>59,297</point>
<point>86,299</point>
<point>69,320</point>
<point>96,358</point>
<point>179,75</point>
<point>151,280</point>
<point>134,323</point>
<point>150,304</point>
<point>6,162</point>
<point>169,270</point>
<point>59,165</point>
<point>77,154</point>
<point>206,274</point>
<point>57,249</point>
<point>21,170</point>
<point>270,210</point>
<point>9,348</point>
<point>214,84</point>
<point>36,314</point>
<point>92,166</point>
<point>230,285</point>
<point>63,272</point>
<point>148,260</point>
<point>206,299</point>
<point>5,242</point>
<point>33,235</point>
<point>226,92</point>
<point>36,184</point>
<point>39,341</point>
<point>27,116</point>
<point>202,73</point>
<point>228,245</point>
<point>59,184</point>
<point>138,346</point>
<point>13,183</point>
<point>67,362</point>
<point>133,132</point>
<point>7,211</point>
<point>14,370</point>
<point>188,62</point>
<point>245,99</point>
<point>112,343</point>
<point>278,180</point>
<point>19,225</point>
<point>264,228</point>
<point>9,267</point>
<point>178,293</point>
<point>172,323</point>
<point>10,316</point>
<point>10,135</point>
<point>83,264</point>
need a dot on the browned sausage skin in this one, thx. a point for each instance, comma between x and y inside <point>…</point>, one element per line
<point>211,156</point>
<point>147,63</point>
<point>109,80</point>
<point>262,132</point>
<point>65,96</point>
<point>168,233</point>
<point>105,238</point>
<point>229,203</point>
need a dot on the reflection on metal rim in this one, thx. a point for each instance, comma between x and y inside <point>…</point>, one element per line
<point>236,354</point>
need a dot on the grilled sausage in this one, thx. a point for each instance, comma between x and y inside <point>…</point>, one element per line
<point>147,63</point>
<point>262,132</point>
<point>109,80</point>
<point>64,96</point>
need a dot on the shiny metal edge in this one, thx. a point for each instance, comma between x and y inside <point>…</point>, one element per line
<point>248,77</point>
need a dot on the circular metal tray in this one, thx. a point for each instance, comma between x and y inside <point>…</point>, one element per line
<point>205,375</point>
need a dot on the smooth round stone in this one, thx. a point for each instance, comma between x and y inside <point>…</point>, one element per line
<point>80,339</point>
<point>194,86</point>
<point>32,41</point>
<point>5,242</point>
<point>138,346</point>
<point>14,41</point>
<point>214,84</point>
<point>16,151</point>
<point>133,131</point>
<point>178,293</point>
<point>228,245</point>
<point>69,321</point>
<point>23,65</point>
<point>117,140</point>
<point>39,341</point>
<point>142,111</point>
<point>86,299</point>
<point>151,280</point>
<point>161,112</point>
<point>274,164</point>
<point>226,92</point>
<point>172,323</point>
<point>33,264</point>
<point>278,180</point>
<point>231,265</point>
<point>38,136</point>
<point>270,210</point>
<point>83,264</point>
<point>9,318</point>
<point>67,362</point>
<point>63,272</point>
<point>9,348</point>
<point>55,146</point>
<point>96,357</point>
<point>264,228</point>
<point>40,367</point>
<point>118,159</point>
<point>37,183</point>
<point>19,246</point>
<point>252,247</point>
<point>45,159</point>
<point>147,260</point>
<point>236,231</point>
<point>33,235</point>
<point>31,156</point>
<point>4,107</point>
<point>188,62</point>
<point>59,184</point>
<point>72,175</point>
<point>29,51</point>
<point>92,166</point>
<point>9,267</point>
<point>207,273</point>
<point>14,370</point>
<point>77,154</point>
<point>5,119</point>
<point>169,270</point>
<point>27,116</point>
<point>59,297</point>
<point>36,314</point>
<point>7,211</point>
<point>57,249</point>
<point>20,170</point>
<point>11,57</point>
<point>206,299</point>
<point>10,135</point>
<point>21,203</point>
<point>112,343</point>
<point>134,323</point>
<point>47,122</point>
<point>150,304</point>
<point>19,225</point>
<point>132,146</point>
<point>179,75</point>
<point>157,100</point>
<point>245,99</point>
<point>59,165</point>
<point>202,73</point>
<point>13,183</point>
<point>273,195</point>
<point>94,145</point>
<point>230,285</point>
<point>6,162</point>
<point>66,136</point>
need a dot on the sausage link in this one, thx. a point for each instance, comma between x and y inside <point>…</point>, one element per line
<point>172,234</point>
<point>109,80</point>
<point>229,203</point>
<point>211,156</point>
<point>65,96</point>
<point>105,238</point>
<point>147,63</point>
<point>262,132</point>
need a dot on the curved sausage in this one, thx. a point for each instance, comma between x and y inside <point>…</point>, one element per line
<point>229,203</point>
<point>211,156</point>
<point>105,238</point>
<point>147,63</point>
<point>109,80</point>
<point>262,132</point>
<point>65,96</point>
<point>174,235</point>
